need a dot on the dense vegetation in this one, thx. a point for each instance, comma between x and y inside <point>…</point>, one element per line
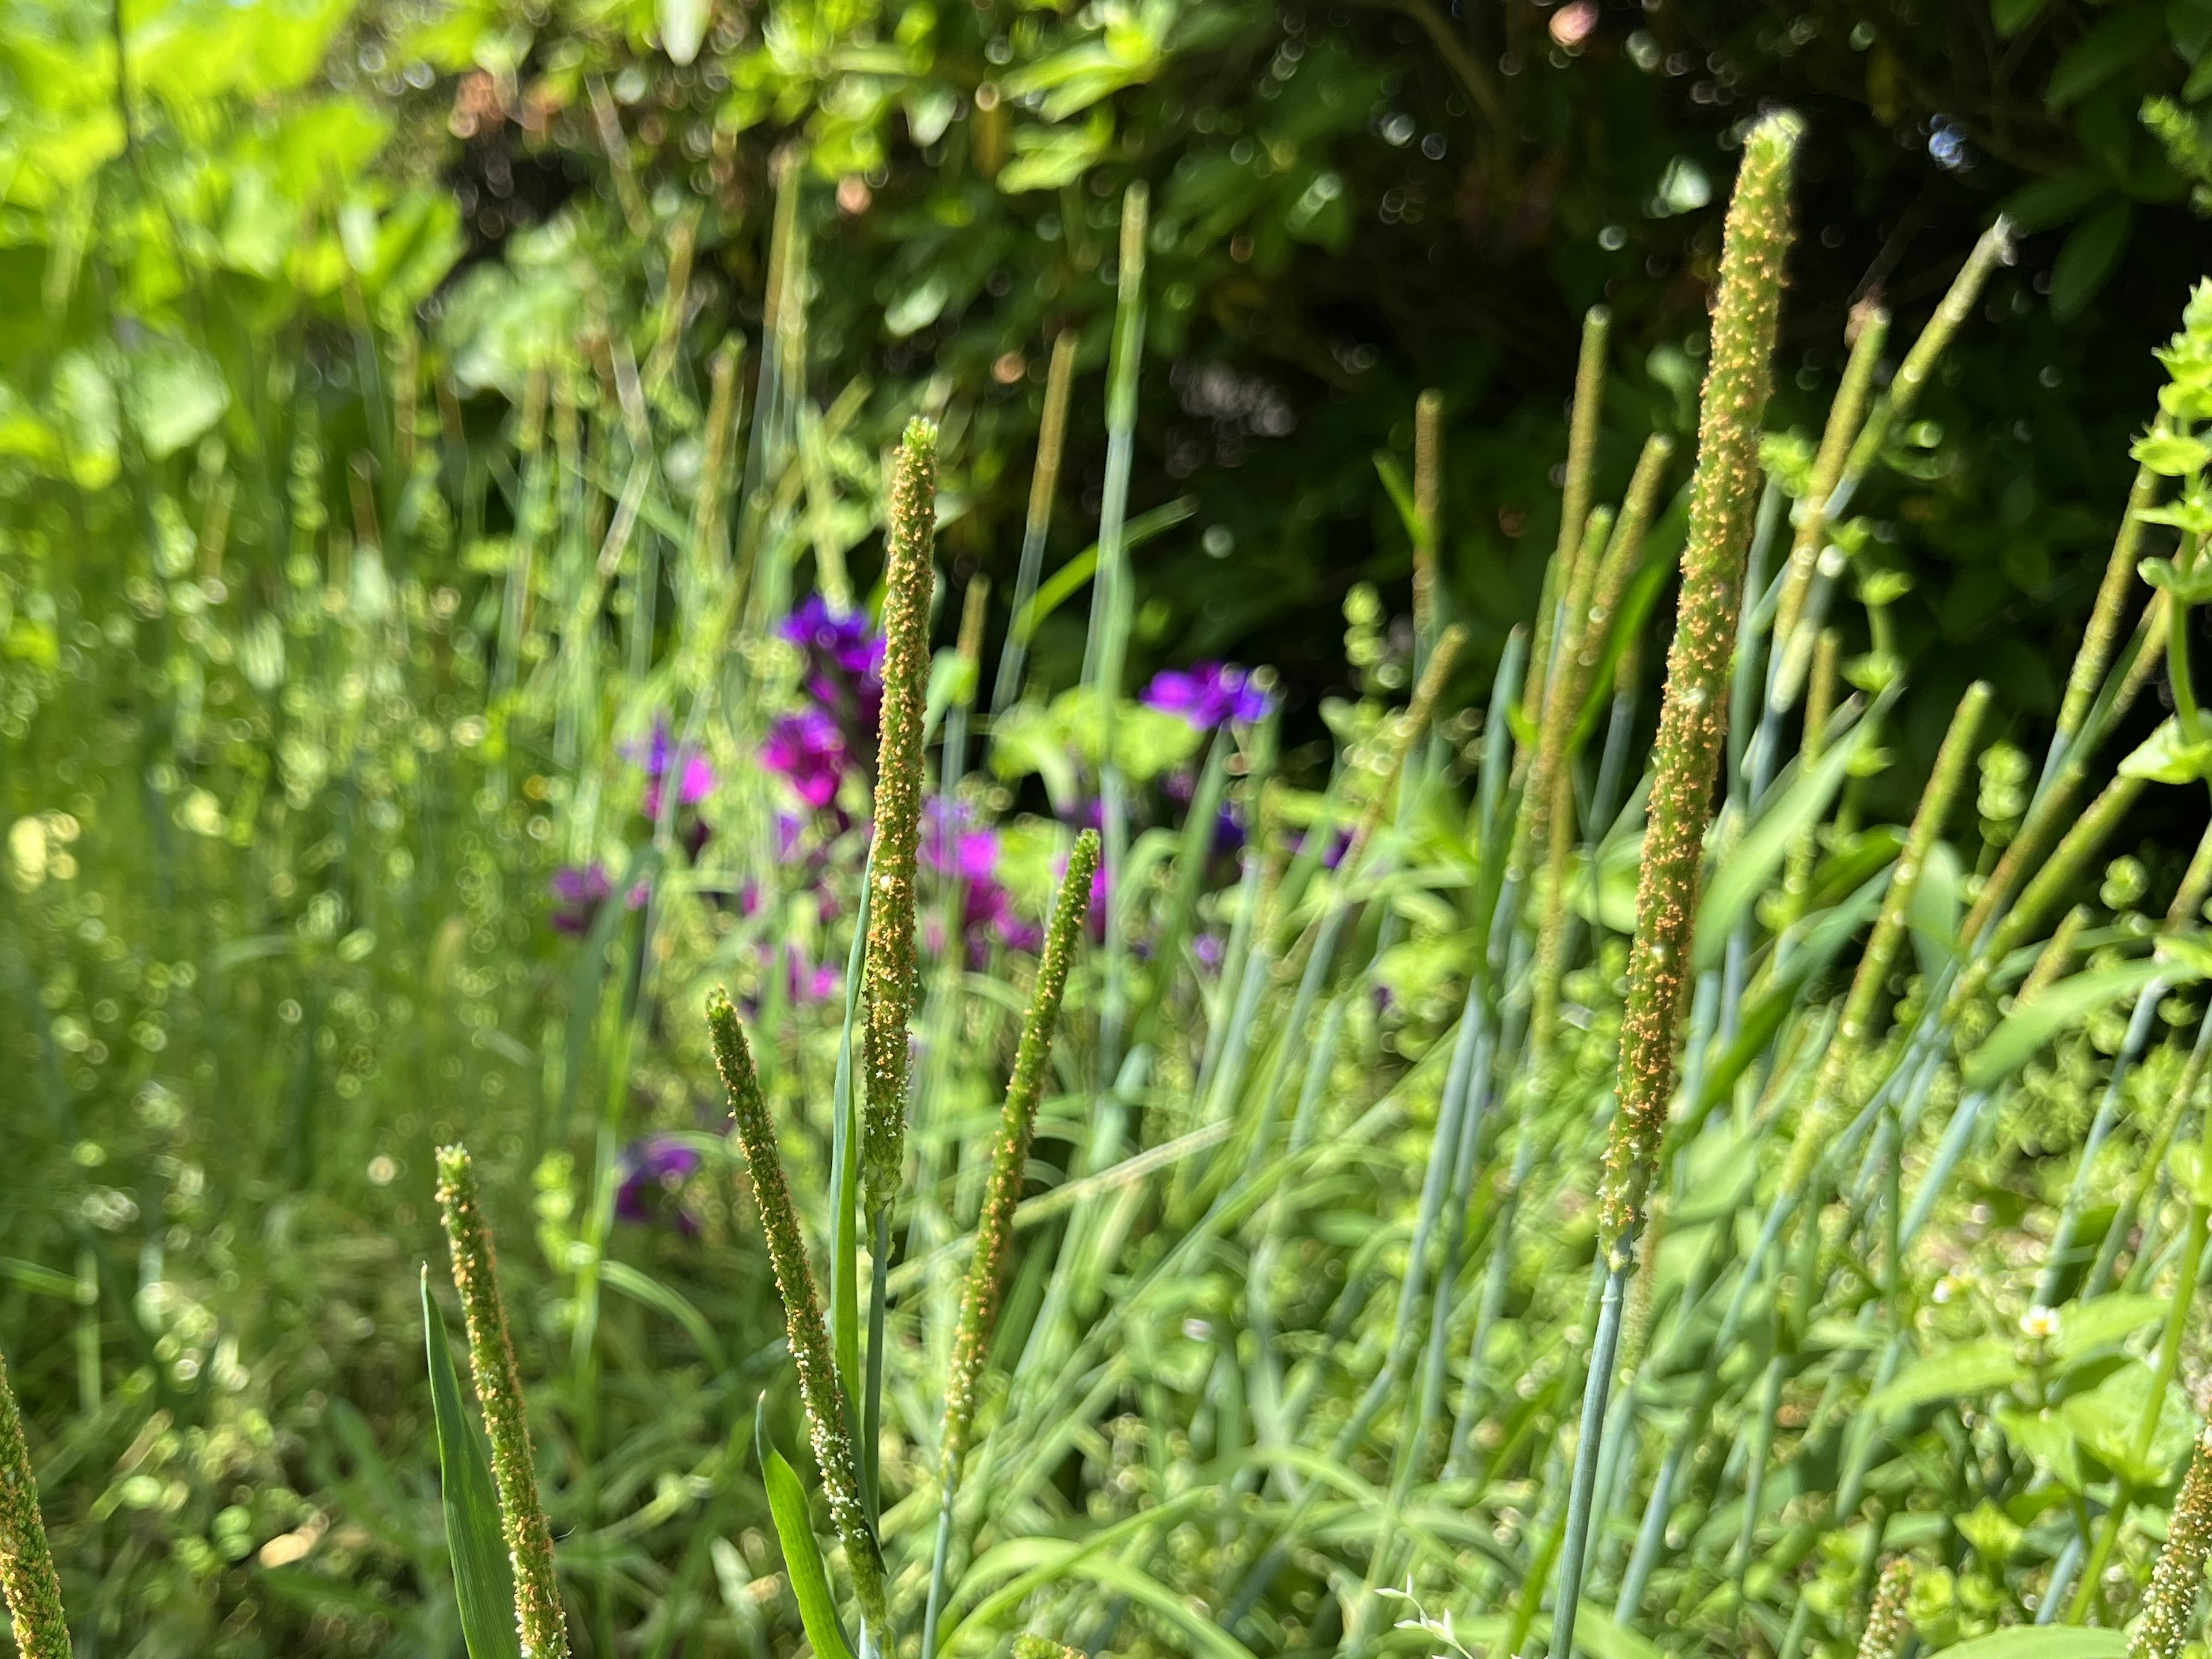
<point>450,595</point>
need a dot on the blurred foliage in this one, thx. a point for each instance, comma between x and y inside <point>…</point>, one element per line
<point>1356,201</point>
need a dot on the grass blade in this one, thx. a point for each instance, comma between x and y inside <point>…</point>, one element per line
<point>483,1582</point>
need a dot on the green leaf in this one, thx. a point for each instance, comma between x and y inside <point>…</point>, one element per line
<point>2031,1024</point>
<point>2051,202</point>
<point>2104,51</point>
<point>2165,758</point>
<point>2109,1418</point>
<point>2092,253</point>
<point>2171,455</point>
<point>2011,16</point>
<point>483,1579</point>
<point>1971,1368</point>
<point>2190,586</point>
<point>802,1556</point>
<point>2046,1438</point>
<point>2042,1642</point>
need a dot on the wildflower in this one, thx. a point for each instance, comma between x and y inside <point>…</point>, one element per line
<point>809,750</point>
<point>1206,694</point>
<point>656,1164</point>
<point>2040,1324</point>
<point>662,757</point>
<point>844,674</point>
<point>578,891</point>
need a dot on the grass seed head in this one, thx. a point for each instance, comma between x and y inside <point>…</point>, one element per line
<point>994,1227</point>
<point>537,1615</point>
<point>891,960</point>
<point>27,1565</point>
<point>1693,715</point>
<point>812,1355</point>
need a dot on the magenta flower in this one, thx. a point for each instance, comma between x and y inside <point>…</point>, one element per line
<point>809,750</point>
<point>653,1171</point>
<point>661,756</point>
<point>1206,694</point>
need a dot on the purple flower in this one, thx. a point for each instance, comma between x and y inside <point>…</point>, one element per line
<point>579,889</point>
<point>809,750</point>
<point>660,756</point>
<point>1206,694</point>
<point>843,643</point>
<point>844,666</point>
<point>653,1171</point>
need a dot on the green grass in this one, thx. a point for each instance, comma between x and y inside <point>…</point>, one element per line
<point>299,721</point>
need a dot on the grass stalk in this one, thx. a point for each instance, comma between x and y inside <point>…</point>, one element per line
<point>1428,517</point>
<point>1044,483</point>
<point>890,958</point>
<point>537,1614</point>
<point>980,1297</point>
<point>828,1424</point>
<point>1574,499</point>
<point>26,1564</point>
<point>1686,757</point>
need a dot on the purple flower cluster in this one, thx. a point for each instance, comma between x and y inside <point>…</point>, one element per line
<point>844,686</point>
<point>579,890</point>
<point>1206,694</point>
<point>955,845</point>
<point>654,1171</point>
<point>663,757</point>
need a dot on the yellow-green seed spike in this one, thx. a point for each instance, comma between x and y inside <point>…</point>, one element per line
<point>1618,564</point>
<point>891,970</point>
<point>1993,249</point>
<point>537,1615</point>
<point>1886,1624</point>
<point>1547,804</point>
<point>2079,845</point>
<point>2170,1604</point>
<point>1428,510</point>
<point>1693,715</point>
<point>27,1565</point>
<point>2089,662</point>
<point>979,1299</point>
<point>819,1390</point>
<point>1871,325</point>
<point>1575,494</point>
<point>1856,1024</point>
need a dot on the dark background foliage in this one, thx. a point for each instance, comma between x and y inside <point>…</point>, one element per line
<point>1354,202</point>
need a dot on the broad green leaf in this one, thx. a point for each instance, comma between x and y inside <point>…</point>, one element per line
<point>2091,254</point>
<point>2165,758</point>
<point>1595,1633</point>
<point>2109,47</point>
<point>2042,1642</point>
<point>2034,1024</point>
<point>2085,1326</point>
<point>2011,16</point>
<point>482,1578</point>
<point>2047,1438</point>
<point>1971,1368</point>
<point>1749,867</point>
<point>2108,1420</point>
<point>802,1556</point>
